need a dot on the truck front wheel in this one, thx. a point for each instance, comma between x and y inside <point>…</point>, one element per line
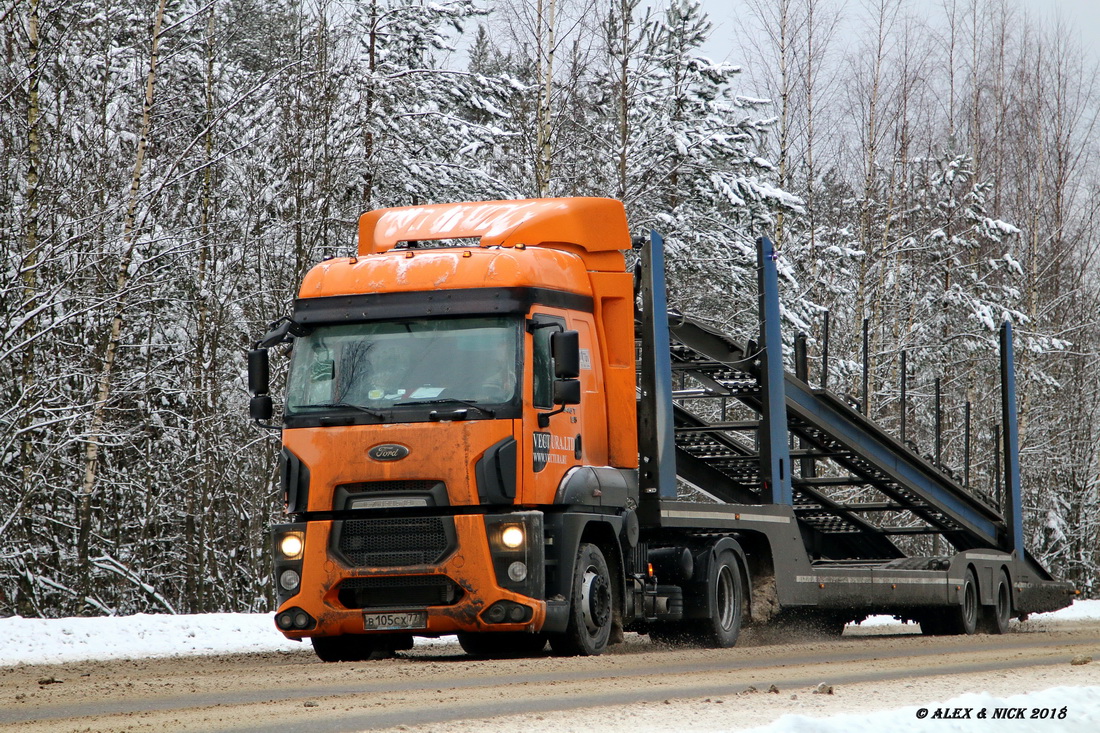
<point>591,608</point>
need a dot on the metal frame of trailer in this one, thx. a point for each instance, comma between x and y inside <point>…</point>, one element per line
<point>825,553</point>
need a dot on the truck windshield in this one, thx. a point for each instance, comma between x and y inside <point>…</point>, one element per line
<point>382,365</point>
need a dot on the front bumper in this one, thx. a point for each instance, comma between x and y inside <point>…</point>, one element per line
<point>473,573</point>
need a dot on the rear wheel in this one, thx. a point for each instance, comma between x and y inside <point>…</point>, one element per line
<point>727,598</point>
<point>931,625</point>
<point>963,617</point>
<point>591,609</point>
<point>502,645</point>
<point>995,618</point>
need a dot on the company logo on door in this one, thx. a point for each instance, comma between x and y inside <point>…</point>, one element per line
<point>550,448</point>
<point>388,452</point>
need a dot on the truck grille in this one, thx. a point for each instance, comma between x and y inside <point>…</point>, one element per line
<point>406,485</point>
<point>395,542</point>
<point>406,592</point>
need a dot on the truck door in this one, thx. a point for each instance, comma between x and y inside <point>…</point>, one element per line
<point>547,452</point>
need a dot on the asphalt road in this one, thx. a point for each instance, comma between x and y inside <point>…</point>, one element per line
<point>439,688</point>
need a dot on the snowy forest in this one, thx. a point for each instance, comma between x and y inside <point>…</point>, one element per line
<point>171,168</point>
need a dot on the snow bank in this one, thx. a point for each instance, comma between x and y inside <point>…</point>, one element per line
<point>1079,611</point>
<point>50,641</point>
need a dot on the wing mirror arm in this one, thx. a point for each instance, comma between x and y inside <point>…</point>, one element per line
<point>261,408</point>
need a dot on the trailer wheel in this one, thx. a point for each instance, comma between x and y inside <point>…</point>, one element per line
<point>727,595</point>
<point>995,618</point>
<point>502,645</point>
<point>963,617</point>
<point>590,611</point>
<point>359,647</point>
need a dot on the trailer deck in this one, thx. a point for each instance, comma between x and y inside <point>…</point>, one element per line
<point>847,491</point>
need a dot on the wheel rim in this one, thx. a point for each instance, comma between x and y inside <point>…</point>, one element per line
<point>724,597</point>
<point>1004,605</point>
<point>595,600</point>
<point>970,605</point>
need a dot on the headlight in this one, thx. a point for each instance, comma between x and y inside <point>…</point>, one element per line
<point>289,579</point>
<point>291,545</point>
<point>512,537</point>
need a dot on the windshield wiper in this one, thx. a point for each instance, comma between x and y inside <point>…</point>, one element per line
<point>353,406</point>
<point>446,400</point>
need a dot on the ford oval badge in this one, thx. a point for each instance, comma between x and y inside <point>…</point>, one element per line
<point>388,452</point>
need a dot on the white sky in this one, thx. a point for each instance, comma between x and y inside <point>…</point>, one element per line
<point>1082,15</point>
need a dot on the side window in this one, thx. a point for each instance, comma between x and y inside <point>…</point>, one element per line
<point>542,363</point>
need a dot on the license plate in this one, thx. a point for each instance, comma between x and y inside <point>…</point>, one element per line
<point>404,620</point>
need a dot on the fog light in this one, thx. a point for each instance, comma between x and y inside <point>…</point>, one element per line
<point>301,620</point>
<point>291,545</point>
<point>496,614</point>
<point>289,579</point>
<point>284,621</point>
<point>512,537</point>
<point>516,613</point>
<point>517,571</point>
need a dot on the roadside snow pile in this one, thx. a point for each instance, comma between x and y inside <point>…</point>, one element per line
<point>1079,708</point>
<point>1080,610</point>
<point>51,641</point>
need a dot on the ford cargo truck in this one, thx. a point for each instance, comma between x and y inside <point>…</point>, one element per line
<point>491,428</point>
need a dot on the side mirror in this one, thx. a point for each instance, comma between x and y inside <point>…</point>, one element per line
<point>258,372</point>
<point>565,347</point>
<point>261,408</point>
<point>567,392</point>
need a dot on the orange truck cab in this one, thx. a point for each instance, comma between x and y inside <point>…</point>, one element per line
<point>450,405</point>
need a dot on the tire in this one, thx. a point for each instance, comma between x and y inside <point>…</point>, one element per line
<point>502,645</point>
<point>673,633</point>
<point>932,626</point>
<point>995,618</point>
<point>359,647</point>
<point>591,610</point>
<point>962,618</point>
<point>726,594</point>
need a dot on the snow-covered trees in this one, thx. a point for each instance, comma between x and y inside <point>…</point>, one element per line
<point>171,168</point>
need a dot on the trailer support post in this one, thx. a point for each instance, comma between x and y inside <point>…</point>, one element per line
<point>656,434</point>
<point>939,425</point>
<point>1013,511</point>
<point>966,448</point>
<point>904,376</point>
<point>866,373</point>
<point>775,454</point>
<point>807,465</point>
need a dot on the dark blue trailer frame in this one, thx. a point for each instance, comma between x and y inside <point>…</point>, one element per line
<point>823,553</point>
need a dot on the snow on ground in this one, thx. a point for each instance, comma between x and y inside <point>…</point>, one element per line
<point>1079,708</point>
<point>50,641</point>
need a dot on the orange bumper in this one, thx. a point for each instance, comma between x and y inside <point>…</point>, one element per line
<point>469,566</point>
